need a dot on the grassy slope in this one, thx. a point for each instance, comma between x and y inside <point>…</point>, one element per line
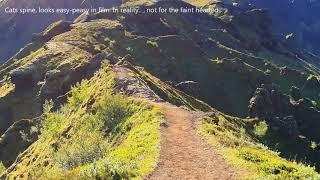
<point>238,142</point>
<point>176,58</point>
<point>167,92</point>
<point>96,134</point>
<point>5,88</point>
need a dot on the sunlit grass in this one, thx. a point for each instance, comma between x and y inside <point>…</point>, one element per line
<point>96,134</point>
<point>240,148</point>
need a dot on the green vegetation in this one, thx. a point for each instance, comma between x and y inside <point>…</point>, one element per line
<point>2,168</point>
<point>237,142</point>
<point>152,44</point>
<point>169,93</point>
<point>261,128</point>
<point>97,134</point>
<point>5,88</point>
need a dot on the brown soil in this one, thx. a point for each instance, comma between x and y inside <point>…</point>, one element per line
<point>184,154</point>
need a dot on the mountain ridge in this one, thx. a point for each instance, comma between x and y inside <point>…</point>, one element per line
<point>202,62</point>
<point>16,29</point>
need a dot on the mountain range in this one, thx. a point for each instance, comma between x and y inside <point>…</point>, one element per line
<point>288,18</point>
<point>16,29</point>
<point>159,95</point>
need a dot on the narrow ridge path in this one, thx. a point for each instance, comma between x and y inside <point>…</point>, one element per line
<point>184,154</point>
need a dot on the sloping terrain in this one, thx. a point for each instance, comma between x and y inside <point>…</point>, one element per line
<point>303,26</point>
<point>290,24</point>
<point>87,82</point>
<point>294,22</point>
<point>17,29</point>
<point>92,136</point>
<point>184,155</point>
<point>238,141</point>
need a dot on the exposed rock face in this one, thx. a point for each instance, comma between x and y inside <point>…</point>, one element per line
<point>308,118</point>
<point>257,31</point>
<point>295,93</point>
<point>26,77</point>
<point>22,79</point>
<point>289,125</point>
<point>132,86</point>
<point>292,117</point>
<point>189,87</point>
<point>17,138</point>
<point>284,71</point>
<point>268,102</point>
<point>6,117</point>
<point>53,83</point>
<point>311,87</point>
<point>16,30</point>
<point>53,30</point>
<point>59,81</point>
<point>82,18</point>
<point>313,83</point>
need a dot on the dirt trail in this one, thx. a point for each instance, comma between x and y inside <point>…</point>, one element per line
<point>184,155</point>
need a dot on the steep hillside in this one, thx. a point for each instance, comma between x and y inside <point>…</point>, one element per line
<point>303,26</point>
<point>295,22</point>
<point>16,29</point>
<point>239,141</point>
<point>76,101</point>
<point>92,134</point>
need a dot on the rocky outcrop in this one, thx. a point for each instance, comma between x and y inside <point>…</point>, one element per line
<point>22,78</point>
<point>311,88</point>
<point>6,116</point>
<point>308,118</point>
<point>16,29</point>
<point>132,86</point>
<point>17,138</point>
<point>59,81</point>
<point>268,102</point>
<point>27,76</point>
<point>189,87</point>
<point>291,114</point>
<point>54,29</point>
<point>284,71</point>
<point>312,83</point>
<point>255,28</point>
<point>295,93</point>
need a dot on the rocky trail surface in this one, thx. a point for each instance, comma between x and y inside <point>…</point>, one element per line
<point>184,154</point>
